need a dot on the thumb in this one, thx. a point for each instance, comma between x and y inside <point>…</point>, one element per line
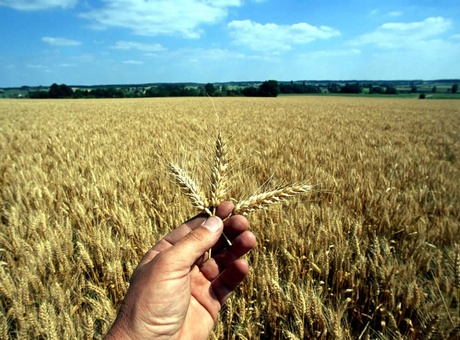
<point>198,241</point>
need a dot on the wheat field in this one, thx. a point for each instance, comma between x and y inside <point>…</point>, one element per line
<point>372,252</point>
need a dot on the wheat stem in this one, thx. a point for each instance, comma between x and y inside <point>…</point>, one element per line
<point>190,188</point>
<point>218,174</point>
<point>265,199</point>
<point>194,193</point>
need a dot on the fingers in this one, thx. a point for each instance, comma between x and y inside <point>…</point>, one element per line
<point>223,211</point>
<point>234,226</point>
<point>175,236</point>
<point>227,282</point>
<point>184,253</point>
<point>224,258</point>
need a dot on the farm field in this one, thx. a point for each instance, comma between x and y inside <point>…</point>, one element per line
<point>373,252</point>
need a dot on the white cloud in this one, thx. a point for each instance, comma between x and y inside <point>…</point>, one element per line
<point>400,35</point>
<point>395,14</point>
<point>332,53</point>
<point>133,62</point>
<point>274,37</point>
<point>432,59</point>
<point>56,41</point>
<point>35,5</point>
<point>206,55</point>
<point>150,18</point>
<point>375,11</point>
<point>133,45</point>
<point>212,54</point>
<point>37,66</point>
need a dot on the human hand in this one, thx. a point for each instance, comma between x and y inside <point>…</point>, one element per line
<point>176,291</point>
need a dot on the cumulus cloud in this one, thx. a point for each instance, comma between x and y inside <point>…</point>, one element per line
<point>211,54</point>
<point>35,5</point>
<point>160,17</point>
<point>37,66</point>
<point>133,62</point>
<point>56,41</point>
<point>377,11</point>
<point>399,34</point>
<point>274,37</point>
<point>133,45</point>
<point>333,53</point>
<point>395,14</point>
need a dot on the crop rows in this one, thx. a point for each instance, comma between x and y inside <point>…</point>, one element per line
<point>371,252</point>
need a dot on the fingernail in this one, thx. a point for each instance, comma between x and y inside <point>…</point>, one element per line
<point>213,224</point>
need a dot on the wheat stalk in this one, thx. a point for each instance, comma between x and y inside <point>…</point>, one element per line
<point>194,193</point>
<point>218,174</point>
<point>219,188</point>
<point>190,188</point>
<point>265,199</point>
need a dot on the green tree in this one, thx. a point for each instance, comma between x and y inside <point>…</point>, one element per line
<point>454,88</point>
<point>269,88</point>
<point>333,88</point>
<point>210,89</point>
<point>250,91</point>
<point>156,91</point>
<point>351,88</point>
<point>376,89</point>
<point>391,90</point>
<point>286,88</point>
<point>60,91</point>
<point>434,89</point>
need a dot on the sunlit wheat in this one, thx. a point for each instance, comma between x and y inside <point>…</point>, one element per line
<point>371,252</point>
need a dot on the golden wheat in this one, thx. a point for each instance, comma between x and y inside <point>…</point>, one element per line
<point>372,253</point>
<point>219,187</point>
<point>190,188</point>
<point>219,183</point>
<point>265,199</point>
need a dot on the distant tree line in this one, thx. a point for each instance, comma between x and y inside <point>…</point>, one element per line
<point>269,88</point>
<point>297,88</point>
<point>357,88</point>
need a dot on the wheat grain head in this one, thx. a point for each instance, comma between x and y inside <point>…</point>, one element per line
<point>265,199</point>
<point>190,188</point>
<point>219,186</point>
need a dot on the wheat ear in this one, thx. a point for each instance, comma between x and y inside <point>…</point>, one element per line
<point>265,199</point>
<point>219,183</point>
<point>190,188</point>
<point>194,193</point>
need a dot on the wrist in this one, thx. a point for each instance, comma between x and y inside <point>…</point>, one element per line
<point>117,332</point>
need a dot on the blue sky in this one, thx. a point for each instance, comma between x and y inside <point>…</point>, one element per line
<point>90,42</point>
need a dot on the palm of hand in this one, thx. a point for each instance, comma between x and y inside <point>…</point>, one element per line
<point>176,292</point>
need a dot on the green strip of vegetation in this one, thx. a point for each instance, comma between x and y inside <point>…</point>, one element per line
<point>442,89</point>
